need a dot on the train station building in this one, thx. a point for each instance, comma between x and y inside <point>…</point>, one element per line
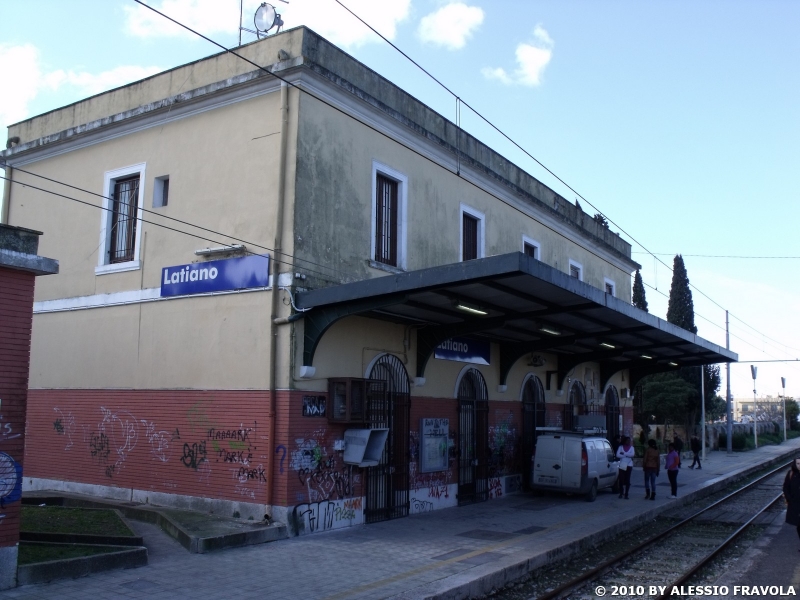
<point>288,287</point>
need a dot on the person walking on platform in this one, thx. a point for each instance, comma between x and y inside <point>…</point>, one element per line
<point>678,443</point>
<point>696,447</point>
<point>625,454</point>
<point>673,464</point>
<point>791,492</point>
<point>651,463</point>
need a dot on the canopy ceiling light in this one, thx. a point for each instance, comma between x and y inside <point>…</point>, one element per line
<point>549,330</point>
<point>470,308</point>
<point>607,345</point>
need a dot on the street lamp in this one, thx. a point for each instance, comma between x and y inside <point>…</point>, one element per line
<point>753,371</point>
<point>783,385</point>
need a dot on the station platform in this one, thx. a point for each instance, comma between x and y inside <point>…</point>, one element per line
<point>454,553</point>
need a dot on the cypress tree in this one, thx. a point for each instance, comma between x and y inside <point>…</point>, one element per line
<point>680,310</point>
<point>639,300</point>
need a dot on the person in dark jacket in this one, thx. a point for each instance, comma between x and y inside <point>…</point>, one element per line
<point>791,491</point>
<point>696,447</point>
<point>651,464</point>
<point>678,443</point>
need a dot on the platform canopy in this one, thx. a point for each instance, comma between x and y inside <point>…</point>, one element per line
<point>519,303</point>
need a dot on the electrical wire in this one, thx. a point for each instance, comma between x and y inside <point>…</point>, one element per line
<point>367,125</point>
<point>537,161</point>
<point>167,227</point>
<point>163,216</point>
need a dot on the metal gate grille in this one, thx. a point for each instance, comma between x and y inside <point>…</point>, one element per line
<point>612,413</point>
<point>387,484</point>
<point>533,416</point>
<point>473,438</point>
<point>577,398</point>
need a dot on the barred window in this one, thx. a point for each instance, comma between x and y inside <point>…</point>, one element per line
<point>124,205</point>
<point>470,237</point>
<point>386,231</point>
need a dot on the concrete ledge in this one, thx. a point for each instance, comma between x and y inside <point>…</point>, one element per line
<point>482,580</point>
<point>197,532</point>
<point>80,538</point>
<point>126,558</point>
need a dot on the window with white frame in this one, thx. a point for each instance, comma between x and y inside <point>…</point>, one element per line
<point>611,287</point>
<point>531,248</point>
<point>389,193</point>
<point>119,226</point>
<point>576,270</point>
<point>472,234</point>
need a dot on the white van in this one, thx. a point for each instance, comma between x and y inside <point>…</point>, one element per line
<point>571,462</point>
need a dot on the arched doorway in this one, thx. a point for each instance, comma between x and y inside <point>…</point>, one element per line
<point>473,438</point>
<point>612,413</point>
<point>533,416</point>
<point>386,484</point>
<point>577,404</point>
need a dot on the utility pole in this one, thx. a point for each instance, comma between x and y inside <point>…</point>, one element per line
<point>729,441</point>
<point>703,407</point>
<point>783,385</point>
<point>753,372</point>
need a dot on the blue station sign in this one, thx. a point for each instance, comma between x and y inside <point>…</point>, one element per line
<point>216,276</point>
<point>463,350</point>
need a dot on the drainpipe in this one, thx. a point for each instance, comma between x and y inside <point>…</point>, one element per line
<point>6,197</point>
<point>273,326</point>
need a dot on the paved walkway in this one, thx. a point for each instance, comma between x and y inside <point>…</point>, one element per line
<point>452,553</point>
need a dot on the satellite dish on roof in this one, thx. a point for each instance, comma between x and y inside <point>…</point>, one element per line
<point>266,18</point>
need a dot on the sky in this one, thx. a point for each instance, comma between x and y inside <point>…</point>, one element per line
<point>679,121</point>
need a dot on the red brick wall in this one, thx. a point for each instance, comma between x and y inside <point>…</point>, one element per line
<point>313,470</point>
<point>16,313</point>
<point>199,443</point>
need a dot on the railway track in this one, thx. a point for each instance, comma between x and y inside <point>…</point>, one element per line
<point>676,555</point>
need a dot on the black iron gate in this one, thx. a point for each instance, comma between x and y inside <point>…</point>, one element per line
<point>576,406</point>
<point>612,413</point>
<point>387,484</point>
<point>533,416</point>
<point>473,438</point>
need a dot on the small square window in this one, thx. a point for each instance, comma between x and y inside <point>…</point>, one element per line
<point>531,248</point>
<point>611,287</point>
<point>575,270</point>
<point>160,192</point>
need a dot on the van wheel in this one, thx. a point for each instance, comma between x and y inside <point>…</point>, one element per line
<point>592,495</point>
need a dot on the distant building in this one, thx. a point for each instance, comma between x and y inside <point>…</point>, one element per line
<point>377,318</point>
<point>768,407</point>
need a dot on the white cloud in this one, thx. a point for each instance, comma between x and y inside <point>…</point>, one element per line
<point>206,16</point>
<point>532,58</point>
<point>326,17</point>
<point>451,25</point>
<point>21,64</point>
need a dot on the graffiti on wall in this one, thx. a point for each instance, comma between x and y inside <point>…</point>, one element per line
<point>495,487</point>
<point>327,515</point>
<point>10,481</point>
<point>503,443</point>
<point>118,434</point>
<point>64,424</point>
<point>318,472</point>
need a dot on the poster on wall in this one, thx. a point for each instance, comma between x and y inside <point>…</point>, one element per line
<point>433,445</point>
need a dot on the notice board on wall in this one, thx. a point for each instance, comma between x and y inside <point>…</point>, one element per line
<point>434,435</point>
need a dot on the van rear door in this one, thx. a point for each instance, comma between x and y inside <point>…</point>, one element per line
<point>547,461</point>
<point>571,477</point>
